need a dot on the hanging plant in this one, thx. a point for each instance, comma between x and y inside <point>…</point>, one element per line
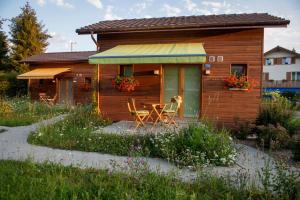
<point>126,84</point>
<point>234,82</point>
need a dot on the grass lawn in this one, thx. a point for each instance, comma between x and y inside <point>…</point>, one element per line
<point>22,111</point>
<point>25,180</point>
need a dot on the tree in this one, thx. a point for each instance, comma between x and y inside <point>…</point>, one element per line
<point>4,59</point>
<point>28,37</point>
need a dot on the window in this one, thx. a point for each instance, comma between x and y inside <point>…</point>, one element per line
<point>265,76</point>
<point>286,60</point>
<point>269,61</point>
<point>239,69</point>
<point>87,83</point>
<point>295,76</point>
<point>41,82</point>
<point>126,70</point>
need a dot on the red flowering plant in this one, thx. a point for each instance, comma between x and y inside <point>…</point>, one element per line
<point>239,82</point>
<point>127,84</point>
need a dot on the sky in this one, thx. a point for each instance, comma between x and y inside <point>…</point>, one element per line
<point>62,17</point>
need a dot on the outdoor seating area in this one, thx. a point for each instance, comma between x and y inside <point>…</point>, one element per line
<point>44,98</point>
<point>156,114</point>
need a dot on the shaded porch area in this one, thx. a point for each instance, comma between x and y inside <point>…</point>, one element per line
<point>50,85</point>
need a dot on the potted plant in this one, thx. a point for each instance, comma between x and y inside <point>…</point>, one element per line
<point>126,84</point>
<point>234,82</point>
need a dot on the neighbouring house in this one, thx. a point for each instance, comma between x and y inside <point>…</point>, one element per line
<point>65,76</point>
<point>281,70</point>
<point>188,56</point>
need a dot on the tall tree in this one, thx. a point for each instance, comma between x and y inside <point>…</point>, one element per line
<point>4,59</point>
<point>28,37</point>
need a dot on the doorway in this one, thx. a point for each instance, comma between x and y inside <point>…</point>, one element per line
<point>183,80</point>
<point>66,91</point>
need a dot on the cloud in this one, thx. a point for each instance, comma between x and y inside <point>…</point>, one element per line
<point>170,10</point>
<point>41,2</point>
<point>96,3</point>
<point>141,6</point>
<point>59,40</point>
<point>191,6</point>
<point>216,7</point>
<point>110,14</point>
<point>63,3</point>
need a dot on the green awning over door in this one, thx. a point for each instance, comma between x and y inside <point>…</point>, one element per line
<point>151,53</point>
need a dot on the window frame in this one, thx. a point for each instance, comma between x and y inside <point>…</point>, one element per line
<point>296,75</point>
<point>122,71</point>
<point>246,65</point>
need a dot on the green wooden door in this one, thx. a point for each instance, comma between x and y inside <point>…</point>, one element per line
<point>171,82</point>
<point>190,87</point>
<point>191,91</point>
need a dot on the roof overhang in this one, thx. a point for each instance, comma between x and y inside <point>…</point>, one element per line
<point>151,53</point>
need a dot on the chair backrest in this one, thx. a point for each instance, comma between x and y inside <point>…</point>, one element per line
<point>174,104</point>
<point>131,108</point>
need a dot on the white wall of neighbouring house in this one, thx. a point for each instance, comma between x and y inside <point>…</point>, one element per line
<point>278,72</point>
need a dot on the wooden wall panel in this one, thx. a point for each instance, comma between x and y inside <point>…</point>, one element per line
<point>218,104</point>
<point>81,94</point>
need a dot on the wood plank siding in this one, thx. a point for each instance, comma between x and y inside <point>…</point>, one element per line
<point>82,94</point>
<point>237,46</point>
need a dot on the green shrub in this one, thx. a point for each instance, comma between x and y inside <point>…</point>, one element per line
<point>296,147</point>
<point>197,145</point>
<point>272,136</point>
<point>279,110</point>
<point>242,130</point>
<point>11,86</point>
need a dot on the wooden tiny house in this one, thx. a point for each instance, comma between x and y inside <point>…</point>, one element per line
<point>66,76</point>
<point>231,43</point>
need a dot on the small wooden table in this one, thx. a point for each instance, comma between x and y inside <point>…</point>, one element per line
<point>157,109</point>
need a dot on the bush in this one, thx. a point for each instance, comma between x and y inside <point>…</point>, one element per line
<point>10,86</point>
<point>296,148</point>
<point>197,145</point>
<point>279,110</point>
<point>272,136</point>
<point>242,130</point>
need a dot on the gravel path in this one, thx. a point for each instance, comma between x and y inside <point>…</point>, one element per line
<point>14,146</point>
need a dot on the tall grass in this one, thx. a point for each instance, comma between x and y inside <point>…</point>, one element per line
<point>22,111</point>
<point>25,180</point>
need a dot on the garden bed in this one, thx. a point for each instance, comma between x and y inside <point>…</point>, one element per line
<point>23,111</point>
<point>26,180</point>
<point>195,145</point>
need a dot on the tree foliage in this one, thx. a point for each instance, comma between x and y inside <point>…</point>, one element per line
<point>28,37</point>
<point>4,49</point>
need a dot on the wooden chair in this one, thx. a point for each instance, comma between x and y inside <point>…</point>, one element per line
<point>138,115</point>
<point>53,100</point>
<point>43,97</point>
<point>170,110</point>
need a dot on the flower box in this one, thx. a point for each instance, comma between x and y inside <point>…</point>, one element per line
<point>238,89</point>
<point>125,84</point>
<point>239,83</point>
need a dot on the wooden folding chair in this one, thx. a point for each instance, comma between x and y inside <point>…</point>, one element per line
<point>52,101</point>
<point>170,110</point>
<point>138,115</point>
<point>43,97</point>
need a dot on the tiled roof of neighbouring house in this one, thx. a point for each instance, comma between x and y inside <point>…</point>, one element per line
<point>60,57</point>
<point>185,22</point>
<point>281,49</point>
